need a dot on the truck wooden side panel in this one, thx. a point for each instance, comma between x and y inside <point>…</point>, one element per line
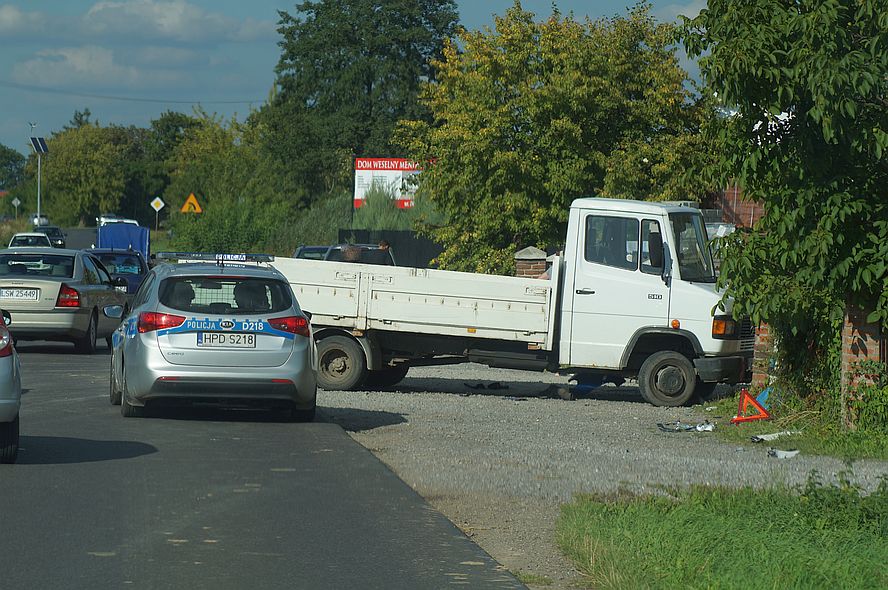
<point>424,301</point>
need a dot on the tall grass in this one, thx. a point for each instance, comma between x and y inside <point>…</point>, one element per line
<point>816,537</point>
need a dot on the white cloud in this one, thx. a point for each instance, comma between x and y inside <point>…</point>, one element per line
<point>86,67</point>
<point>14,22</point>
<point>174,20</point>
<point>670,12</point>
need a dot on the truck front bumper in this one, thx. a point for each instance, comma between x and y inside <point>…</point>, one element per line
<point>724,369</point>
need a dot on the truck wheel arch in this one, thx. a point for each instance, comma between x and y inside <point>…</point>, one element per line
<point>647,341</point>
<point>371,350</point>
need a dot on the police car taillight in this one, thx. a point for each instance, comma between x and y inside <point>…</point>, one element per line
<point>150,321</point>
<point>295,324</point>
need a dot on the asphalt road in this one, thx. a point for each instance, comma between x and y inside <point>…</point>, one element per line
<point>208,499</point>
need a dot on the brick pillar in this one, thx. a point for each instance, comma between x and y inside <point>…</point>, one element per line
<point>761,357</point>
<point>860,342</point>
<point>530,262</point>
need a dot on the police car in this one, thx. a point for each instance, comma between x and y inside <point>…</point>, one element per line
<point>218,329</point>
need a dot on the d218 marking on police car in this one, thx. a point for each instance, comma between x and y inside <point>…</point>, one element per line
<point>654,296</point>
<point>225,340</point>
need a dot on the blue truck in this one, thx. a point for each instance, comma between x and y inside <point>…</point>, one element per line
<point>124,249</point>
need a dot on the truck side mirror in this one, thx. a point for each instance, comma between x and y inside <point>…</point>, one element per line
<point>667,264</point>
<point>655,245</point>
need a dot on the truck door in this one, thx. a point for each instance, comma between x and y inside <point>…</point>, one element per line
<point>617,287</point>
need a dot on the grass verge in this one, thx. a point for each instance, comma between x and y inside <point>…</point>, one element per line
<point>814,436</point>
<point>816,537</point>
<point>530,579</point>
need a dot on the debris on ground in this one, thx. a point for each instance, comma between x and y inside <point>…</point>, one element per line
<point>678,426</point>
<point>783,454</point>
<point>773,436</point>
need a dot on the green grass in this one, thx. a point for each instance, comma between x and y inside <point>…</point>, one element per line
<point>814,438</point>
<point>817,537</point>
<point>533,579</point>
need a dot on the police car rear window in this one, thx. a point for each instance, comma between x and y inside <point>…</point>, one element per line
<point>225,295</point>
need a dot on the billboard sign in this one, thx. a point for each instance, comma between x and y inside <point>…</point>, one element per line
<point>394,175</point>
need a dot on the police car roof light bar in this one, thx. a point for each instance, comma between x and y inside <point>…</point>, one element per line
<point>218,258</point>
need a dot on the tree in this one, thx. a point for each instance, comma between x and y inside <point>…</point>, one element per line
<point>79,119</point>
<point>83,174</point>
<point>808,85</point>
<point>529,116</point>
<point>349,70</point>
<point>12,167</point>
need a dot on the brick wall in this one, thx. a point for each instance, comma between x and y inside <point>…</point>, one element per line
<point>737,210</point>
<point>530,262</point>
<point>761,357</point>
<point>860,341</point>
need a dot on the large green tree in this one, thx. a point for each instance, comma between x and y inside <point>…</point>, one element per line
<point>349,70</point>
<point>531,115</point>
<point>12,167</point>
<point>83,175</point>
<point>807,82</point>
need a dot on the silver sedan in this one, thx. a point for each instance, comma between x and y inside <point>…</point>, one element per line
<point>10,395</point>
<point>211,334</point>
<point>56,294</point>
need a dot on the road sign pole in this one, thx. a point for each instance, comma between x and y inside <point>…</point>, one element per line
<point>157,220</point>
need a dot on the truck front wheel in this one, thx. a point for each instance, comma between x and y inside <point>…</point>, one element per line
<point>667,378</point>
<point>341,364</point>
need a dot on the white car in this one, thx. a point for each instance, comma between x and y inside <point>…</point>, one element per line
<point>30,240</point>
<point>10,395</point>
<point>38,220</point>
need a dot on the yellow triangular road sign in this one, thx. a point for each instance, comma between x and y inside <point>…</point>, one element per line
<point>191,205</point>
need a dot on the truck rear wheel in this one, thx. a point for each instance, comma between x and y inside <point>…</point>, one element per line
<point>341,364</point>
<point>387,377</point>
<point>667,378</point>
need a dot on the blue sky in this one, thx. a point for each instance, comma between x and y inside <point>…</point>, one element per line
<point>130,60</point>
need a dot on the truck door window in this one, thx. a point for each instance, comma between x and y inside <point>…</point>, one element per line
<point>694,260</point>
<point>651,247</point>
<point>612,241</point>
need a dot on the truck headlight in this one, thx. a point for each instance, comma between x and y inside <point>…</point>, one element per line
<point>724,327</point>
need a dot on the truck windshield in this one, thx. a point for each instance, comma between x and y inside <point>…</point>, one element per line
<point>694,259</point>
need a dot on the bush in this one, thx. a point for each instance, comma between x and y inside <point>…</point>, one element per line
<point>868,399</point>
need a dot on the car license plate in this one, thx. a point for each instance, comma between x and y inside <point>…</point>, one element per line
<point>21,294</point>
<point>225,340</point>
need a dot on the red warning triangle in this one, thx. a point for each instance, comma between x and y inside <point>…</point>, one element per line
<point>747,400</point>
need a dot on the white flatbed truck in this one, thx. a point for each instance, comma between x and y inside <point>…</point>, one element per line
<point>633,296</point>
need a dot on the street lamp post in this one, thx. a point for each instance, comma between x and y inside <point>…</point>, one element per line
<point>39,145</point>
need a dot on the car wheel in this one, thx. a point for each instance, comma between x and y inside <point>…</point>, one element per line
<point>87,344</point>
<point>9,440</point>
<point>667,378</point>
<point>387,377</point>
<point>113,392</point>
<point>127,410</point>
<point>341,364</point>
<point>302,415</point>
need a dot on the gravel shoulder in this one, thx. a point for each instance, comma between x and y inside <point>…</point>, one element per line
<point>499,461</point>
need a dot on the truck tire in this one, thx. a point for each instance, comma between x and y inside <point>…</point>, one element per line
<point>341,364</point>
<point>386,377</point>
<point>667,378</point>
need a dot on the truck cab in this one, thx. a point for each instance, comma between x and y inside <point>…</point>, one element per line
<point>639,300</point>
